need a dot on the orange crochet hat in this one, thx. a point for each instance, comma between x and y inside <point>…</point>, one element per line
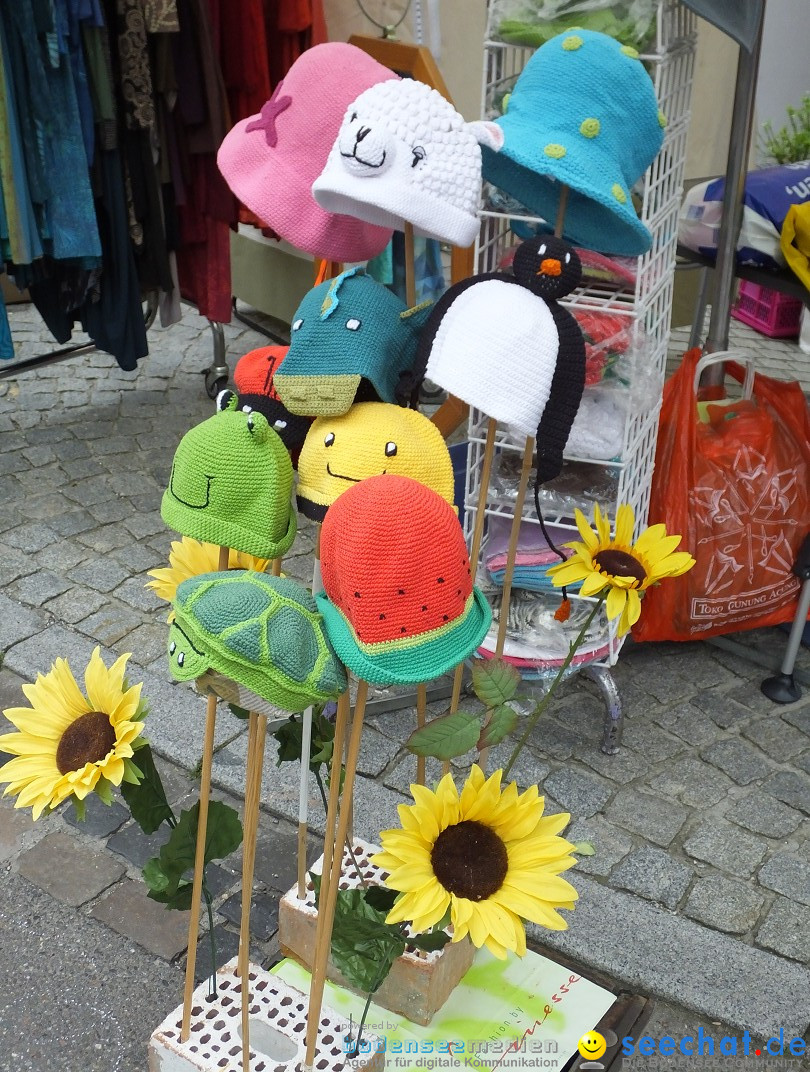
<point>253,376</point>
<point>399,603</point>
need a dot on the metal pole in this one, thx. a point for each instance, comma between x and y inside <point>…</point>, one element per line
<point>737,166</point>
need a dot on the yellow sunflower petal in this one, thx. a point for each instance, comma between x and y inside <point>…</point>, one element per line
<point>104,687</point>
<point>590,539</point>
<point>568,572</point>
<point>592,584</point>
<point>616,602</point>
<point>57,695</point>
<point>602,523</point>
<point>23,744</point>
<point>625,522</point>
<point>675,565</point>
<point>38,723</point>
<point>658,550</point>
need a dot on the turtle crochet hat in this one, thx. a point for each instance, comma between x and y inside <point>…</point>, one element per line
<point>583,113</point>
<point>263,632</point>
<point>351,340</point>
<point>398,603</point>
<point>371,439</point>
<point>231,484</point>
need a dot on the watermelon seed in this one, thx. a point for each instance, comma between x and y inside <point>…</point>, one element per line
<point>401,591</point>
<point>356,595</point>
<point>440,580</point>
<point>382,617</point>
<point>425,607</point>
<point>445,617</point>
<point>403,629</point>
<point>458,591</point>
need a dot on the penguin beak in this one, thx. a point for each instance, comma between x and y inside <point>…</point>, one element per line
<point>550,266</point>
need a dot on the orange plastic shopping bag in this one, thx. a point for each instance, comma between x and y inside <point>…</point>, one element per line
<point>734,481</point>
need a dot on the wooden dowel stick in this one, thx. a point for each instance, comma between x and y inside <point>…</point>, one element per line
<point>410,271</point>
<point>326,913</point>
<point>421,715</point>
<point>350,805</point>
<point>199,855</point>
<point>303,802</point>
<point>341,723</point>
<point>561,207</point>
<point>253,789</point>
<point>511,553</point>
<point>276,567</point>
<point>475,547</point>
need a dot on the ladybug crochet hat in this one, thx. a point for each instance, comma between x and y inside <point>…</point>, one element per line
<point>351,339</point>
<point>373,438</point>
<point>231,484</point>
<point>270,160</point>
<point>263,632</point>
<point>583,112</point>
<point>253,377</point>
<point>399,603</point>
<point>405,155</point>
<point>503,344</point>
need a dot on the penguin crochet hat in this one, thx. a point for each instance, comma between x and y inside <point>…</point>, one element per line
<point>351,339</point>
<point>504,345</point>
<point>399,603</point>
<point>371,439</point>
<point>583,112</point>
<point>231,484</point>
<point>270,160</point>
<point>253,377</point>
<point>263,632</point>
<point>404,155</point>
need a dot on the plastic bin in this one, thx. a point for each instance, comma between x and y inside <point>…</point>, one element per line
<point>768,311</point>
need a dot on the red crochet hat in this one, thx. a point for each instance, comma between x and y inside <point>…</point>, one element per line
<point>399,602</point>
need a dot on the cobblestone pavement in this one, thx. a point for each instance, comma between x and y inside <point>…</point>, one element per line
<point>699,891</point>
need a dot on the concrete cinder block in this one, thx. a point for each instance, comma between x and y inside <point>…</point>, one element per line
<point>418,984</point>
<point>278,1025</point>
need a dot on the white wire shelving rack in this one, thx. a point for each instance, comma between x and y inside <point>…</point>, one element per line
<point>647,308</point>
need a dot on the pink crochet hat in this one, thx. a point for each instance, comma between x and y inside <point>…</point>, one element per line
<point>270,160</point>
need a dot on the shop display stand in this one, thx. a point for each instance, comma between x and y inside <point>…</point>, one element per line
<point>647,308</point>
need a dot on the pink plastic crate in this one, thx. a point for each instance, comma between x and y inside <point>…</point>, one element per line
<point>768,311</point>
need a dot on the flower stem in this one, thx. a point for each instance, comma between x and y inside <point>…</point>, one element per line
<point>543,703</point>
<point>209,904</point>
<point>384,969</point>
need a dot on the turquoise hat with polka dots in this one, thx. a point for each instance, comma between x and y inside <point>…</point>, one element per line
<point>582,113</point>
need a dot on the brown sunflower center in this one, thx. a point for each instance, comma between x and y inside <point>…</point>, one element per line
<point>88,739</point>
<point>620,564</point>
<point>469,859</point>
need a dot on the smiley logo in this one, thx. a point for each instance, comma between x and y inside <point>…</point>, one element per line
<point>592,1046</point>
<point>372,439</point>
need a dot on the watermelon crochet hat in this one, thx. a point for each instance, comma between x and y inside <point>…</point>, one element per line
<point>351,339</point>
<point>263,632</point>
<point>253,377</point>
<point>583,112</point>
<point>399,604</point>
<point>231,484</point>
<point>373,438</point>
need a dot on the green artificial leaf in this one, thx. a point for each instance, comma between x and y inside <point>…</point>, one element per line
<point>380,898</point>
<point>447,736</point>
<point>132,773</point>
<point>429,941</point>
<point>147,800</point>
<point>502,721</point>
<point>80,809</point>
<point>239,712</point>
<point>103,791</point>
<point>223,836</point>
<point>364,946</point>
<point>179,900</point>
<point>154,876</point>
<point>290,741</point>
<point>584,848</point>
<point>495,682</point>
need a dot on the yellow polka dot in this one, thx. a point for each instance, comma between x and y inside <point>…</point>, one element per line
<point>662,119</point>
<point>505,103</point>
<point>555,151</point>
<point>631,52</point>
<point>618,193</point>
<point>590,127</point>
<point>572,43</point>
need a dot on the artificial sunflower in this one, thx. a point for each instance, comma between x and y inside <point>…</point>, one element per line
<point>190,558</point>
<point>487,855</point>
<point>69,745</point>
<point>626,567</point>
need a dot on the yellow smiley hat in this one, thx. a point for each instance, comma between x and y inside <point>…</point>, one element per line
<point>369,439</point>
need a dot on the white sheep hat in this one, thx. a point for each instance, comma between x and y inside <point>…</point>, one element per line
<point>405,155</point>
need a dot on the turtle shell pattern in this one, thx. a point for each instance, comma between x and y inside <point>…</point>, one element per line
<point>263,632</point>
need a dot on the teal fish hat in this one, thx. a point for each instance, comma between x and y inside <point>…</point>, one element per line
<point>351,340</point>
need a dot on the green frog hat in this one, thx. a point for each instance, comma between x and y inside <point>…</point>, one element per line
<point>231,484</point>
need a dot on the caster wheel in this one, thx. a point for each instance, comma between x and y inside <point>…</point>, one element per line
<point>214,383</point>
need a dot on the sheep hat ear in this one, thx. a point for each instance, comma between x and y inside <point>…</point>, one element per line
<point>486,133</point>
<point>405,155</point>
